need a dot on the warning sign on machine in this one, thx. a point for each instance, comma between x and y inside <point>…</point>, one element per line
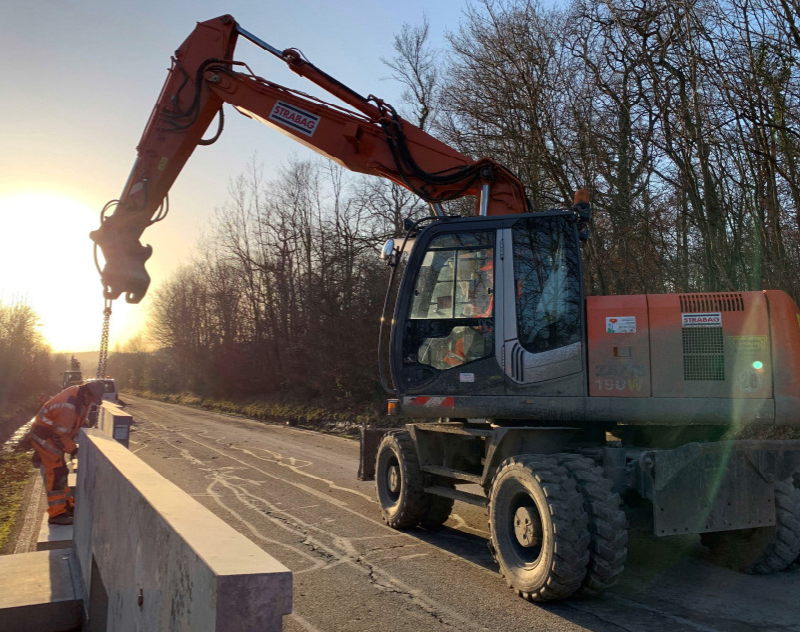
<point>621,324</point>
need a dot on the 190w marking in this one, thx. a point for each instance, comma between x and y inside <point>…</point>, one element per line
<point>619,384</point>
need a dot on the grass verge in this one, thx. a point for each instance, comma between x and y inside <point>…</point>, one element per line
<point>15,471</point>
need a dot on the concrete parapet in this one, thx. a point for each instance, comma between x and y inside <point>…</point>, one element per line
<point>152,558</point>
<point>114,422</point>
<point>39,592</point>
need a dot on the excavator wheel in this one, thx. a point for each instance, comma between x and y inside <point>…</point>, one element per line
<point>399,482</point>
<point>538,525</point>
<point>608,546</point>
<point>765,549</point>
<point>796,482</point>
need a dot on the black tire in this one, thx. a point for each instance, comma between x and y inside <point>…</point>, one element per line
<point>538,527</point>
<point>399,482</point>
<point>439,509</point>
<point>765,549</point>
<point>608,545</point>
<point>796,483</point>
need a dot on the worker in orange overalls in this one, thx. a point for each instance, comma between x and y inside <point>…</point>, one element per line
<point>456,356</point>
<point>53,435</point>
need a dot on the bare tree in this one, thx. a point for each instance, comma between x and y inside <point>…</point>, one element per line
<point>25,363</point>
<point>416,68</point>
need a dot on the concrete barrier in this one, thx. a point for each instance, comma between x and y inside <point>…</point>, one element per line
<point>152,558</point>
<point>39,592</point>
<point>114,422</point>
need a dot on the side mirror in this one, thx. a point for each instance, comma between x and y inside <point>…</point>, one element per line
<point>388,250</point>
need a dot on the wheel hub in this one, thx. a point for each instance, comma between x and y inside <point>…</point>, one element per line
<point>527,527</point>
<point>393,479</point>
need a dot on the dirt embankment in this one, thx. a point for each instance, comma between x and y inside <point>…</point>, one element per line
<point>11,421</point>
<point>15,472</point>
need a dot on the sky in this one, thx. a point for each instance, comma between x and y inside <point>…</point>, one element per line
<point>81,79</point>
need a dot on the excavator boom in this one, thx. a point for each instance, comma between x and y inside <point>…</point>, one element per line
<point>373,140</point>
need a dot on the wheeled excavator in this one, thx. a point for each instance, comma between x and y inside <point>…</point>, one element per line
<point>550,408</point>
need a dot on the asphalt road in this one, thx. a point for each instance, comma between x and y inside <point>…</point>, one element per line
<point>295,493</point>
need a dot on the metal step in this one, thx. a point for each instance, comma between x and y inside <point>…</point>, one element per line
<point>456,428</point>
<point>464,497</point>
<point>449,472</point>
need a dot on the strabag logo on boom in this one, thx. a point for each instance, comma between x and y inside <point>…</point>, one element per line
<point>292,116</point>
<point>713,319</point>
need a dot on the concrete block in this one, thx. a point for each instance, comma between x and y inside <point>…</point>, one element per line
<point>53,536</point>
<point>39,592</point>
<point>152,558</point>
<point>115,422</point>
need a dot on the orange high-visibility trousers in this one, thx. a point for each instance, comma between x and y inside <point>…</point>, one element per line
<point>59,495</point>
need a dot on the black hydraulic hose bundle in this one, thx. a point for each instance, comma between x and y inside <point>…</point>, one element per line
<point>406,165</point>
<point>194,108</point>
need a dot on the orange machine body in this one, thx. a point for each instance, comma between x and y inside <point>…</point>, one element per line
<point>735,346</point>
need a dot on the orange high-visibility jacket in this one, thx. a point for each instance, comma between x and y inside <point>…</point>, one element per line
<point>59,421</point>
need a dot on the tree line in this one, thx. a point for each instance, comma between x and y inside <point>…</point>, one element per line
<point>680,117</point>
<point>25,366</point>
<point>282,297</point>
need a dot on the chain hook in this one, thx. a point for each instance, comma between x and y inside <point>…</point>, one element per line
<point>101,365</point>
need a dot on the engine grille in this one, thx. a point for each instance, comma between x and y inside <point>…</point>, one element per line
<point>717,302</point>
<point>703,354</point>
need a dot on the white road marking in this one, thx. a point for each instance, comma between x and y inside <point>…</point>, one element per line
<point>409,557</point>
<point>291,463</point>
<point>304,623</point>
<point>316,563</point>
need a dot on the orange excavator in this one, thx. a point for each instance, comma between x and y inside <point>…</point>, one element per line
<point>545,406</point>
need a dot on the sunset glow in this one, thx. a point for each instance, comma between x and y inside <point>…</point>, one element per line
<point>46,261</point>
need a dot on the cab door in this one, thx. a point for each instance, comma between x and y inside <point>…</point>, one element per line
<point>542,312</point>
<point>445,340</point>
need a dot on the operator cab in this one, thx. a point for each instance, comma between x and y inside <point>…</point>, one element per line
<point>492,306</point>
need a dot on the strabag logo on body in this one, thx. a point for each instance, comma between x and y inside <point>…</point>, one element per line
<point>292,116</point>
<point>711,319</point>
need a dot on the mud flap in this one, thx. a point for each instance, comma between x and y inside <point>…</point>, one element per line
<point>722,486</point>
<point>370,441</point>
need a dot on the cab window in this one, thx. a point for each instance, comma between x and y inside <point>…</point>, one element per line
<point>452,301</point>
<point>455,282</point>
<point>548,282</point>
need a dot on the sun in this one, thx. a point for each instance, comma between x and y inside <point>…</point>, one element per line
<point>46,261</point>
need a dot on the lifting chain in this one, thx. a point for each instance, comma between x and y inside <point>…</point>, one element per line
<point>101,365</point>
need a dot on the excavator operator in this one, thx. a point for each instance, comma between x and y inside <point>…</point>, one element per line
<point>53,435</point>
<point>469,340</point>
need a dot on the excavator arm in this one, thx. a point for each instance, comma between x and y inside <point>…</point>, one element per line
<point>373,140</point>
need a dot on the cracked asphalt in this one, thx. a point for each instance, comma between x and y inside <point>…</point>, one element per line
<point>295,493</point>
